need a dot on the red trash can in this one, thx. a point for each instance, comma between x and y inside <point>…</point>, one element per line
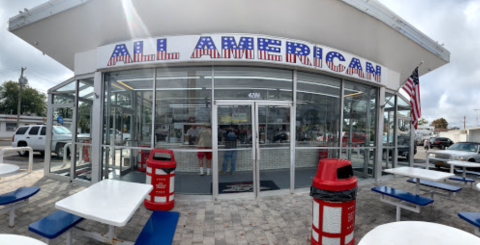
<point>142,158</point>
<point>161,174</point>
<point>334,191</point>
<point>86,151</point>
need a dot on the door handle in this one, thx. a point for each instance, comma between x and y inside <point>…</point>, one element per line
<point>40,137</point>
<point>28,137</point>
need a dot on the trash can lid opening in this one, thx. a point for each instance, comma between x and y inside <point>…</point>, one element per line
<point>160,156</point>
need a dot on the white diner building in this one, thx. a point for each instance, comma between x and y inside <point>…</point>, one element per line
<point>296,81</point>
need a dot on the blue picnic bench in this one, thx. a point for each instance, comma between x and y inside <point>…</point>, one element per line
<point>417,200</point>
<point>445,187</point>
<point>55,224</point>
<point>472,218</point>
<point>464,180</point>
<point>16,199</point>
<point>159,229</point>
<point>468,172</point>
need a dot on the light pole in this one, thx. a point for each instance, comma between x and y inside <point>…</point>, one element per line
<point>21,81</point>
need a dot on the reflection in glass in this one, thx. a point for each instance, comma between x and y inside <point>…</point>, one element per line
<point>318,110</point>
<point>61,144</point>
<point>128,108</point>
<point>403,136</point>
<point>252,83</point>
<point>235,149</point>
<point>183,102</point>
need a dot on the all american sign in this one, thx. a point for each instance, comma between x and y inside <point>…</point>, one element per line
<point>237,47</point>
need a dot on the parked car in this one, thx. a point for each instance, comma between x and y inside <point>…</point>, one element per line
<point>403,147</point>
<point>34,136</point>
<point>440,142</point>
<point>358,139</point>
<point>462,151</point>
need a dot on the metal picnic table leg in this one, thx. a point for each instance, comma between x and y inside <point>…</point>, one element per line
<point>417,185</point>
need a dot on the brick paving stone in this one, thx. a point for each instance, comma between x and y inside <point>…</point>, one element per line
<point>267,220</point>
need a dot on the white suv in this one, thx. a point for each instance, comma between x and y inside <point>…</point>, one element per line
<point>35,136</point>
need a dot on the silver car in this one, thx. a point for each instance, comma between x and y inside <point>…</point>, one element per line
<point>462,151</point>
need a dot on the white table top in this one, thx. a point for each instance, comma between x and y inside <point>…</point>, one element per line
<point>110,202</point>
<point>478,186</point>
<point>417,232</point>
<point>6,168</point>
<point>19,240</point>
<point>419,173</point>
<point>464,164</point>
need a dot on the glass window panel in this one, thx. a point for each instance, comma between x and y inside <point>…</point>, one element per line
<point>64,98</point>
<point>183,102</point>
<point>68,87</point>
<point>61,144</point>
<point>318,110</point>
<point>403,128</point>
<point>359,115</point>
<point>84,111</point>
<point>306,164</point>
<point>389,120</point>
<point>128,107</point>
<point>251,83</point>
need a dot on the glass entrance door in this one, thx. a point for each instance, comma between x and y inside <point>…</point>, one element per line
<point>253,147</point>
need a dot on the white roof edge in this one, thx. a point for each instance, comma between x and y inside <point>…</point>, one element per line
<point>385,15</point>
<point>370,7</point>
<point>42,11</point>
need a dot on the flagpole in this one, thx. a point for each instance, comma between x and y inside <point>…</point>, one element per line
<point>401,86</point>
<point>407,79</point>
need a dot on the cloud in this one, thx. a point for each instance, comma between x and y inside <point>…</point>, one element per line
<point>42,71</point>
<point>451,91</point>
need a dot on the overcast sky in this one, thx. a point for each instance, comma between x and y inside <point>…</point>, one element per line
<point>451,91</point>
<point>42,71</point>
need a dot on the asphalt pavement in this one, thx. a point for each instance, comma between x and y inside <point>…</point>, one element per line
<point>5,142</point>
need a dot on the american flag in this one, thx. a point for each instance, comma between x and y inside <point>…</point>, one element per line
<point>376,73</point>
<point>299,50</point>
<point>264,49</point>
<point>205,46</point>
<point>230,46</point>
<point>317,56</point>
<point>138,53</point>
<point>330,56</point>
<point>120,54</point>
<point>412,87</point>
<point>355,67</point>
<point>162,51</point>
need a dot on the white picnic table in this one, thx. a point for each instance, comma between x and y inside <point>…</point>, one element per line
<point>111,202</point>
<point>463,164</point>
<point>417,232</point>
<point>419,173</point>
<point>19,240</point>
<point>6,168</point>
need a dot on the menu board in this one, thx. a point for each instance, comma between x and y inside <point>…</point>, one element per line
<point>202,114</point>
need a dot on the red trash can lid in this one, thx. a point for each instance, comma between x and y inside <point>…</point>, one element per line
<point>161,158</point>
<point>334,175</point>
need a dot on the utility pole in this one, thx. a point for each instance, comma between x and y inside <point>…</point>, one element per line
<point>476,111</point>
<point>464,119</point>
<point>21,81</point>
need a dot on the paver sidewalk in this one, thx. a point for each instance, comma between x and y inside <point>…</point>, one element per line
<point>270,220</point>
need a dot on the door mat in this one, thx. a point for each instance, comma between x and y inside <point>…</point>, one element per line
<point>247,186</point>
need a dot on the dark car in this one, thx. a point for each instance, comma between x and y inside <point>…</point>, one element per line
<point>403,147</point>
<point>440,142</point>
